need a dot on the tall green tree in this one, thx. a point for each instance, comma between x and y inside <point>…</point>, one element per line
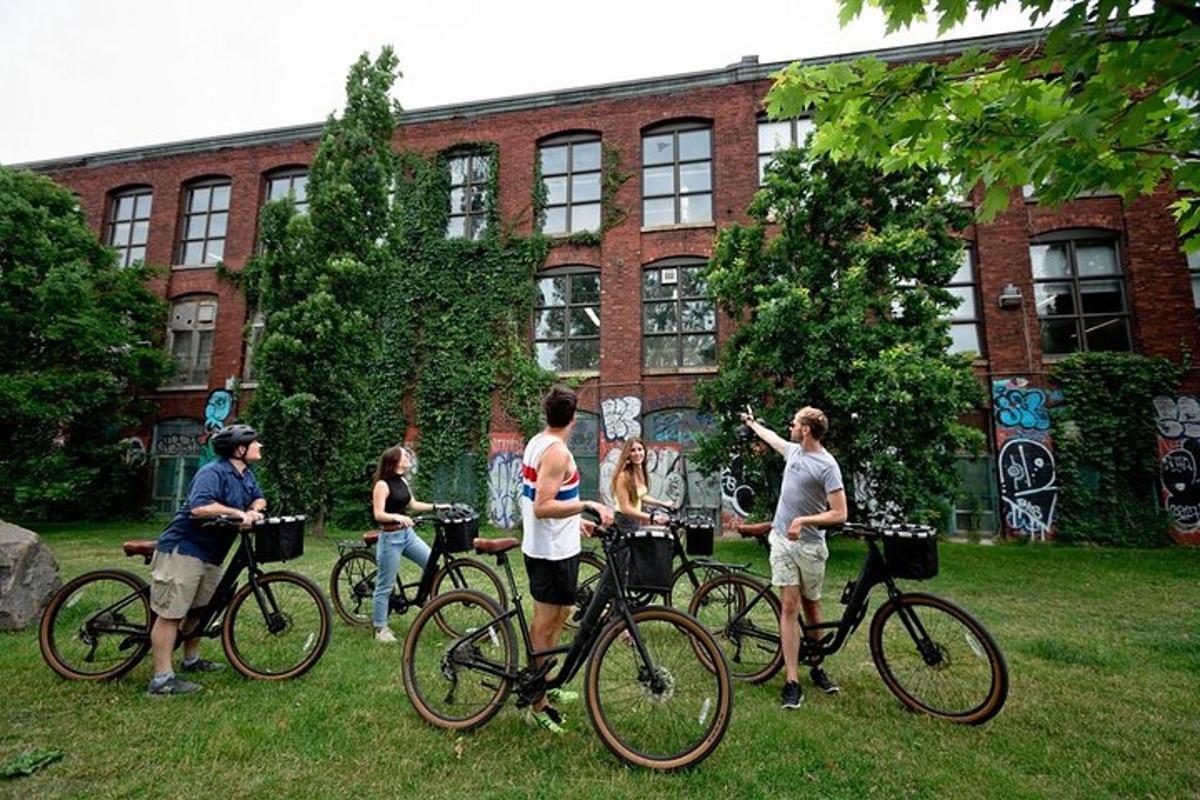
<point>313,283</point>
<point>838,286</point>
<point>82,341</point>
<point>1106,101</point>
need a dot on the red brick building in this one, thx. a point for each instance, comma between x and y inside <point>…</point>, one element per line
<point>629,312</point>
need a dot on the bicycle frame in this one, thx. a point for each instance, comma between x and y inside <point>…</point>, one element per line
<point>400,601</point>
<point>533,682</point>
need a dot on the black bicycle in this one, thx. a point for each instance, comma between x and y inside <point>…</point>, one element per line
<point>352,583</point>
<point>692,546</point>
<point>657,687</point>
<point>274,627</point>
<point>934,656</point>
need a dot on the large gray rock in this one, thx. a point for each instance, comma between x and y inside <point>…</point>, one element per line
<point>28,577</point>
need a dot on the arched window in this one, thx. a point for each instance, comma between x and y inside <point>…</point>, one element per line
<point>677,181</point>
<point>470,176</point>
<point>566,320</point>
<point>289,181</point>
<point>776,136</point>
<point>129,223</point>
<point>585,448</point>
<point>570,166</point>
<point>190,339</point>
<point>205,219</point>
<point>176,457</point>
<point>679,321</point>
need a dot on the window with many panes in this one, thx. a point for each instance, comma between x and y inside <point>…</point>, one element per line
<point>964,320</point>
<point>776,136</point>
<point>570,168</point>
<point>679,322</point>
<point>470,175</point>
<point>129,223</point>
<point>291,181</point>
<point>566,320</point>
<point>205,218</point>
<point>1079,289</point>
<point>176,456</point>
<point>190,339</point>
<point>677,179</point>
<point>254,335</point>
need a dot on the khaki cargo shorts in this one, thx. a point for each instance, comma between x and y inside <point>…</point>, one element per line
<point>798,563</point>
<point>179,583</point>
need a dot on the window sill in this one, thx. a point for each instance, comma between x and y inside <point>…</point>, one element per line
<point>248,384</point>
<point>649,371</point>
<point>200,387</point>
<point>586,238</point>
<point>579,373</point>
<point>683,226</point>
<point>179,267</point>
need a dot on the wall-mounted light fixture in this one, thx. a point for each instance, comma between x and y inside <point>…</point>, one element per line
<point>1010,296</point>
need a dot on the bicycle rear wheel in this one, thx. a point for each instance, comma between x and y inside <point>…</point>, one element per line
<point>352,586</point>
<point>668,713</point>
<point>467,573</point>
<point>278,632</point>
<point>745,624</point>
<point>938,659</point>
<point>97,627</point>
<point>591,567</point>
<point>459,682</point>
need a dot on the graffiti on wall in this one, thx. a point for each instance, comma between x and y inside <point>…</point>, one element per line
<point>217,409</point>
<point>1028,477</point>
<point>1178,422</point>
<point>621,417</point>
<point>134,453</point>
<point>737,495</point>
<point>504,481</point>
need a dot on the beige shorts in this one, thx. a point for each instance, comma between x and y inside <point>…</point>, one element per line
<point>179,583</point>
<point>798,564</point>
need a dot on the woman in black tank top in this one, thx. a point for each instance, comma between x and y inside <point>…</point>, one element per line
<point>391,502</point>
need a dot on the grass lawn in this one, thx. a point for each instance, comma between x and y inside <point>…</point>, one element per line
<point>1103,649</point>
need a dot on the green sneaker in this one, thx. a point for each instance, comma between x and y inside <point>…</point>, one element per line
<point>562,696</point>
<point>548,719</point>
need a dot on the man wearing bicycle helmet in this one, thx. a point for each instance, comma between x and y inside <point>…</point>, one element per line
<point>811,498</point>
<point>187,561</point>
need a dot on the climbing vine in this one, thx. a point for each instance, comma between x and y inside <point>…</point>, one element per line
<point>1104,442</point>
<point>611,212</point>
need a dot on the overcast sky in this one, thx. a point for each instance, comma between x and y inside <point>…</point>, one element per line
<point>84,76</point>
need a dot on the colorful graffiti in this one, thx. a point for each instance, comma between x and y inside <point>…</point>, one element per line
<point>1028,477</point>
<point>736,493</point>
<point>217,409</point>
<point>504,481</point>
<point>134,454</point>
<point>621,417</point>
<point>1178,422</point>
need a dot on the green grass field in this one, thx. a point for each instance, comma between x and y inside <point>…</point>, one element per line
<point>1103,649</point>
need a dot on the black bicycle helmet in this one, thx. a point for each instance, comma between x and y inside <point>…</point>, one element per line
<point>230,438</point>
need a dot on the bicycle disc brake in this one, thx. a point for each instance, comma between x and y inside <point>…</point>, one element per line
<point>658,685</point>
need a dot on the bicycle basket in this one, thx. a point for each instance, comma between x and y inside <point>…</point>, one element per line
<point>910,551</point>
<point>645,559</point>
<point>279,538</point>
<point>698,533</point>
<point>459,529</point>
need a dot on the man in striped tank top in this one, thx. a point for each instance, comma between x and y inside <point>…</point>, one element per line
<point>550,508</point>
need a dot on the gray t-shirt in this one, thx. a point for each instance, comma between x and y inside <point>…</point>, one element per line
<point>808,480</point>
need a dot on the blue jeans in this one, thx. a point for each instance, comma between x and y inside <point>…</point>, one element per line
<point>389,548</point>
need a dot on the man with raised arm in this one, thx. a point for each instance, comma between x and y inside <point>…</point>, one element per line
<point>187,560</point>
<point>550,508</point>
<point>811,497</point>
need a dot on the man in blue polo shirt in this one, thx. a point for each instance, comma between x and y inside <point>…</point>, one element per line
<point>187,561</point>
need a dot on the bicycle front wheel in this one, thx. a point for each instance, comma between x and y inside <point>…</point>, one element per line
<point>97,627</point>
<point>668,710</point>
<point>686,582</point>
<point>352,586</point>
<point>457,681</point>
<point>278,631</point>
<point>938,659</point>
<point>743,615</point>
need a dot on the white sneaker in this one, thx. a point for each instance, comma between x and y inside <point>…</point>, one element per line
<point>385,635</point>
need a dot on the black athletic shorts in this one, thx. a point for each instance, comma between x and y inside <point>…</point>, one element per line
<point>553,582</point>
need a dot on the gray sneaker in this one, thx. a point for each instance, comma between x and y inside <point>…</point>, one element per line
<point>200,665</point>
<point>172,686</point>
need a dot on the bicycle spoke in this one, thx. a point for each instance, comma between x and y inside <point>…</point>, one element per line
<point>281,635</point>
<point>99,627</point>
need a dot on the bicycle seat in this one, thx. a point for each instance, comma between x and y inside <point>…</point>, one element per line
<point>140,547</point>
<point>753,530</point>
<point>370,537</point>
<point>495,546</point>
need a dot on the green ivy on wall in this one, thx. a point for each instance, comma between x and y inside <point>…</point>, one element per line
<point>611,212</point>
<point>1104,445</point>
